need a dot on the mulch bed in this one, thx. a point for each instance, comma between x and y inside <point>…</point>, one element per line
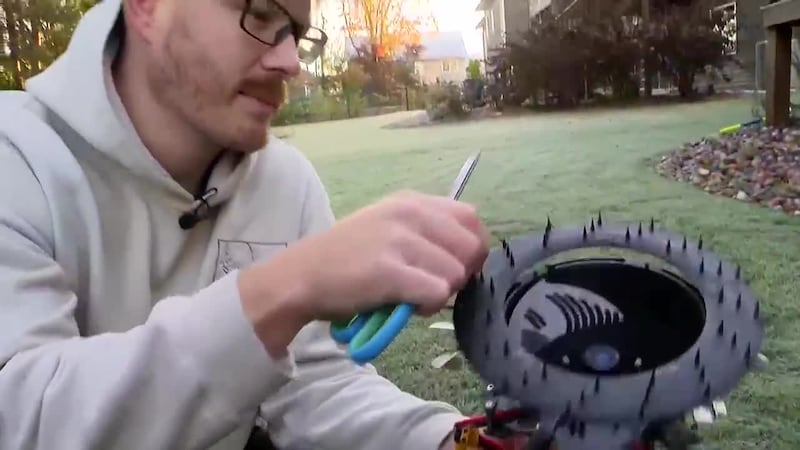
<point>758,165</point>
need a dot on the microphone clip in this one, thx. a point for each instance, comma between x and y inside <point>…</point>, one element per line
<point>200,210</point>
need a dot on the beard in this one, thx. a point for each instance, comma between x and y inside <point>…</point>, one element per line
<point>188,81</point>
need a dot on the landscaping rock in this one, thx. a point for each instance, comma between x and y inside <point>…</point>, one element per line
<point>758,165</point>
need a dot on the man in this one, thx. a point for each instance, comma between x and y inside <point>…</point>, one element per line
<point>168,269</point>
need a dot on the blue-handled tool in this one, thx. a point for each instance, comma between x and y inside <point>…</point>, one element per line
<point>368,334</point>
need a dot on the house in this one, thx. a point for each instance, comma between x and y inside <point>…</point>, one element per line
<point>443,58</point>
<point>505,20</point>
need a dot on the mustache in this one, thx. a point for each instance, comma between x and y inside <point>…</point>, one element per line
<point>271,91</point>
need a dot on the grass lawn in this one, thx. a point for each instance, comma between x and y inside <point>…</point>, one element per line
<point>568,166</point>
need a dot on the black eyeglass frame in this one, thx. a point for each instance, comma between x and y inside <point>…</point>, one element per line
<point>293,27</point>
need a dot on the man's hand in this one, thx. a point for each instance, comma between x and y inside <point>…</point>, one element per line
<point>409,247</point>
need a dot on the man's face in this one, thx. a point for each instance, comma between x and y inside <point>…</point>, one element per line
<point>221,80</point>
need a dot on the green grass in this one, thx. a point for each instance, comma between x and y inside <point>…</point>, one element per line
<point>568,166</point>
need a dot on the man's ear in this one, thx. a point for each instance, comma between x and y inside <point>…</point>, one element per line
<point>141,17</point>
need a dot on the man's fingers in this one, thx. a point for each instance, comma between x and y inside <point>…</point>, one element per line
<point>446,232</point>
<point>422,288</point>
<point>432,258</point>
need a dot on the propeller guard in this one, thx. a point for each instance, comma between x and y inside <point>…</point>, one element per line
<point>602,350</point>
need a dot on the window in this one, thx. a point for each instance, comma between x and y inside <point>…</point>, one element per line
<point>445,66</point>
<point>729,27</point>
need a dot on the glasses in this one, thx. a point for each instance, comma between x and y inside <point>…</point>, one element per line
<point>269,23</point>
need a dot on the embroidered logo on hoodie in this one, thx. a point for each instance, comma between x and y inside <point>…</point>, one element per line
<point>234,255</point>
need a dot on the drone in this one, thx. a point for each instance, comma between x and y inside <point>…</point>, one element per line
<point>604,353</point>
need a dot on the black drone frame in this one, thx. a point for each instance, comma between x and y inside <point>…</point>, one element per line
<point>604,351</point>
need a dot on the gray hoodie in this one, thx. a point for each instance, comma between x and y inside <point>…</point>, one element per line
<point>119,329</point>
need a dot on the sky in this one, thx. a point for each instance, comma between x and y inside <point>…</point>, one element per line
<point>451,15</point>
<point>460,15</point>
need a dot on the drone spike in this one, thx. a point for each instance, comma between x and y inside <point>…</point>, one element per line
<point>703,374</point>
<point>627,234</point>
<point>652,224</point>
<point>585,235</point>
<point>747,356</point>
<point>700,243</point>
<point>721,328</point>
<point>721,296</point>
<point>525,378</point>
<point>707,392</point>
<point>504,243</point>
<point>739,302</point>
<point>548,226</point>
<point>480,277</point>
<point>491,285</point>
<point>545,238</point>
<point>733,341</point>
<point>702,265</point>
<point>583,398</point>
<point>738,271</point>
<point>757,311</point>
<point>639,232</point>
<point>647,392</point>
<point>683,246</point>
<point>669,247</point>
<point>596,385</point>
<point>599,218</point>
<point>544,372</point>
<point>719,269</point>
<point>697,358</point>
<point>591,226</point>
<point>511,259</point>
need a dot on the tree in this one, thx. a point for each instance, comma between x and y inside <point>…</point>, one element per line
<point>474,70</point>
<point>687,40</point>
<point>386,28</point>
<point>37,32</point>
<point>351,83</point>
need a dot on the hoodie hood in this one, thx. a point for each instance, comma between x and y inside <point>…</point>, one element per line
<point>78,87</point>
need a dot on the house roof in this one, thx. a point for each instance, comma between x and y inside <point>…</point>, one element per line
<point>435,46</point>
<point>445,45</point>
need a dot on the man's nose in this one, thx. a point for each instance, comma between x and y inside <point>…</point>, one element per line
<point>282,58</point>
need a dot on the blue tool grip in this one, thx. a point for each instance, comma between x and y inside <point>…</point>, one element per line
<point>384,336</point>
<point>344,334</point>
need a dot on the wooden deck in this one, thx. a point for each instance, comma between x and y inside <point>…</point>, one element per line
<point>779,17</point>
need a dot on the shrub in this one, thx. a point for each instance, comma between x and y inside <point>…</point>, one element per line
<point>564,60</point>
<point>445,102</point>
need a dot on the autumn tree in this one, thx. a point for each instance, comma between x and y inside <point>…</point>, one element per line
<point>385,33</point>
<point>386,28</point>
